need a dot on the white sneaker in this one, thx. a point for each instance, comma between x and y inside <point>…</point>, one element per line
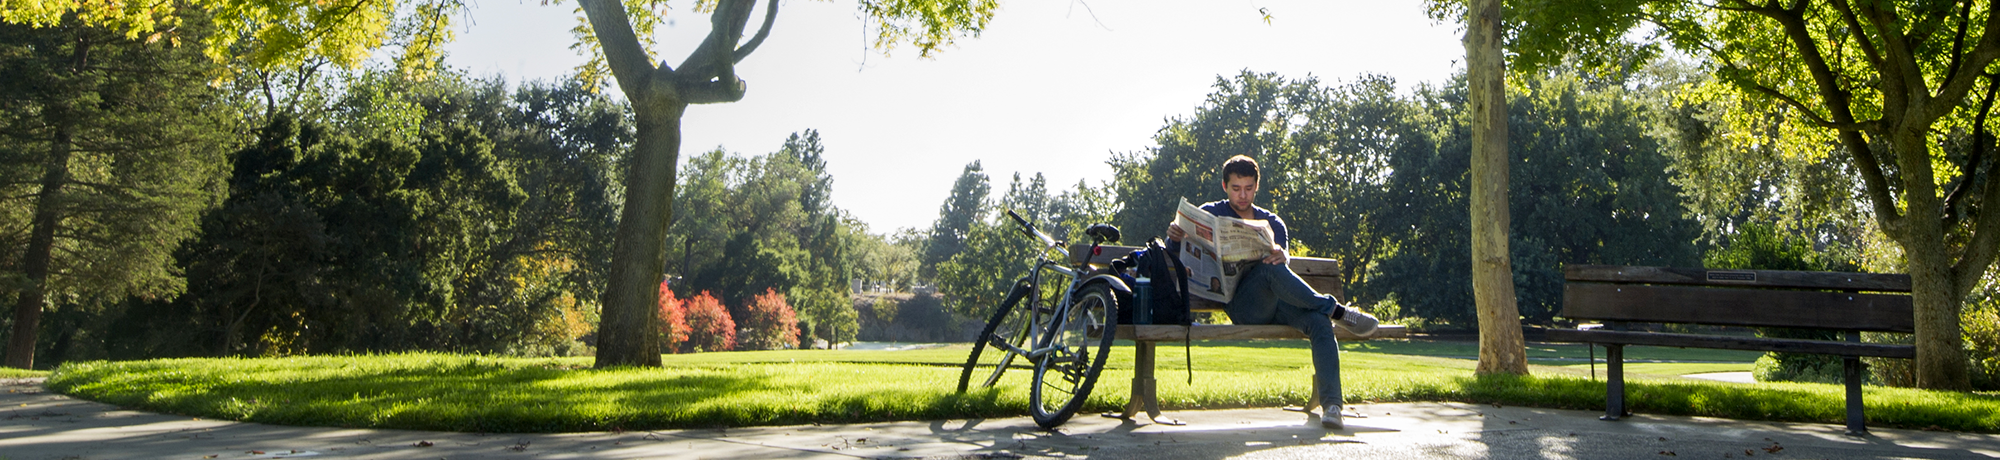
<point>1359,322</point>
<point>1331,420</point>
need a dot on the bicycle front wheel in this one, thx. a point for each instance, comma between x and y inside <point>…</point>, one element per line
<point>1064,376</point>
<point>1008,327</point>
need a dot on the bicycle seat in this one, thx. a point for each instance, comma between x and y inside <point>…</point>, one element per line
<point>1102,233</point>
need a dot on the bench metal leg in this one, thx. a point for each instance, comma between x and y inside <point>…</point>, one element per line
<point>1145,390</point>
<point>1856,422</point>
<point>1614,382</point>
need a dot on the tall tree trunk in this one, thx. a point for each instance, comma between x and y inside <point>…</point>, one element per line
<point>1501,349</point>
<point>41,247</point>
<point>1935,293</point>
<point>629,335</point>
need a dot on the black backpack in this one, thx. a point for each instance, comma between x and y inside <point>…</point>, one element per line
<point>1167,292</point>
<point>1167,299</point>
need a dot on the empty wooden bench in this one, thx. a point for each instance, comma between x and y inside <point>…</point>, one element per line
<point>1849,303</point>
<point>1322,274</point>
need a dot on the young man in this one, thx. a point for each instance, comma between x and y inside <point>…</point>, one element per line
<point>1269,293</point>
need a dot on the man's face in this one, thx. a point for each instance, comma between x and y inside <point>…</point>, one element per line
<point>1241,190</point>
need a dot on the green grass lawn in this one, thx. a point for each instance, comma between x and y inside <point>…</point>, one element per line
<point>468,393</point>
<point>12,373</point>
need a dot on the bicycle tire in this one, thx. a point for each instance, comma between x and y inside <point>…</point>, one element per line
<point>1096,305</point>
<point>1023,288</point>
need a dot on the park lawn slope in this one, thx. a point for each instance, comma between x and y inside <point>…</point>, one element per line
<point>490,394</point>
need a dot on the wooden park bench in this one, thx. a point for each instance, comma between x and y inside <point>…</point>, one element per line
<point>1845,302</point>
<point>1322,274</point>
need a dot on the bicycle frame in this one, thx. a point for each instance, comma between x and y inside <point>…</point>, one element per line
<point>1042,346</point>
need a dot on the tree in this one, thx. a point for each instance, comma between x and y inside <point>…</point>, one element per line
<point>112,146</point>
<point>709,324</point>
<point>1501,348</point>
<point>768,323</point>
<point>973,281</point>
<point>1187,161</point>
<point>660,94</point>
<point>674,327</point>
<point>1872,82</point>
<point>768,222</point>
<point>346,31</point>
<point>966,206</point>
<point>1588,189</point>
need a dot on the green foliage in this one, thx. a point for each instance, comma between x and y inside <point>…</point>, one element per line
<point>891,262</point>
<point>748,225</point>
<point>110,149</point>
<point>998,251</point>
<point>1379,181</point>
<point>1543,34</point>
<point>12,373</point>
<point>1585,188</point>
<point>1760,246</point>
<point>440,214</point>
<point>930,25</point>
<point>965,207</point>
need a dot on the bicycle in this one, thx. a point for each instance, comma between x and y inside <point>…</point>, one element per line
<point>1054,333</point>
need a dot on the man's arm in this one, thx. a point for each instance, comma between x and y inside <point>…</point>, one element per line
<point>1279,247</point>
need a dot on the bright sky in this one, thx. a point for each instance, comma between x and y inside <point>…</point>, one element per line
<point>1051,86</point>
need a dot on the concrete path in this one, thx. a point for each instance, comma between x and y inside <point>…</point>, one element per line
<point>37,425</point>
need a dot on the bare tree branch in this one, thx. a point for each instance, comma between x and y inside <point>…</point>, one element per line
<point>1956,85</point>
<point>628,61</point>
<point>1860,33</point>
<point>1958,38</point>
<point>770,17</point>
<point>1977,158</point>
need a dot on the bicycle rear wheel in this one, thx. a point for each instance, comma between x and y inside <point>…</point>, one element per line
<point>1009,326</point>
<point>1064,376</point>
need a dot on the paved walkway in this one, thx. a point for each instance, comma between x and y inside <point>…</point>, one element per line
<point>36,425</point>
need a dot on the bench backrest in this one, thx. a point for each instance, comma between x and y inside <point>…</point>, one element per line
<point>1759,298</point>
<point>1322,274</point>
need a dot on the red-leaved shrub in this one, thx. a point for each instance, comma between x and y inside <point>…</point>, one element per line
<point>710,328</point>
<point>769,323</point>
<point>673,321</point>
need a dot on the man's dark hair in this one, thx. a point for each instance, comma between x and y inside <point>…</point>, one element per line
<point>1239,166</point>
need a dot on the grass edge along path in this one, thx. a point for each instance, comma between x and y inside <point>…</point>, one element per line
<point>423,391</point>
<point>12,373</point>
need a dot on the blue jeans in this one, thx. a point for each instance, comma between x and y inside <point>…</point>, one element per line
<point>1272,294</point>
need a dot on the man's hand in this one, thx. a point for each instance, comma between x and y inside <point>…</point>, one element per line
<point>1174,232</point>
<point>1278,256</point>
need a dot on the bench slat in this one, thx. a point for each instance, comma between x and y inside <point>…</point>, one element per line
<point>1177,333</point>
<point>1661,339</point>
<point>1885,282</point>
<point>1738,307</point>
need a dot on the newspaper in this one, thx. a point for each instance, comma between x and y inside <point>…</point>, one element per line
<point>1217,249</point>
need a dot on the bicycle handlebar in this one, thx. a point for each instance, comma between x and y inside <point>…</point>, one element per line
<point>1031,231</point>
